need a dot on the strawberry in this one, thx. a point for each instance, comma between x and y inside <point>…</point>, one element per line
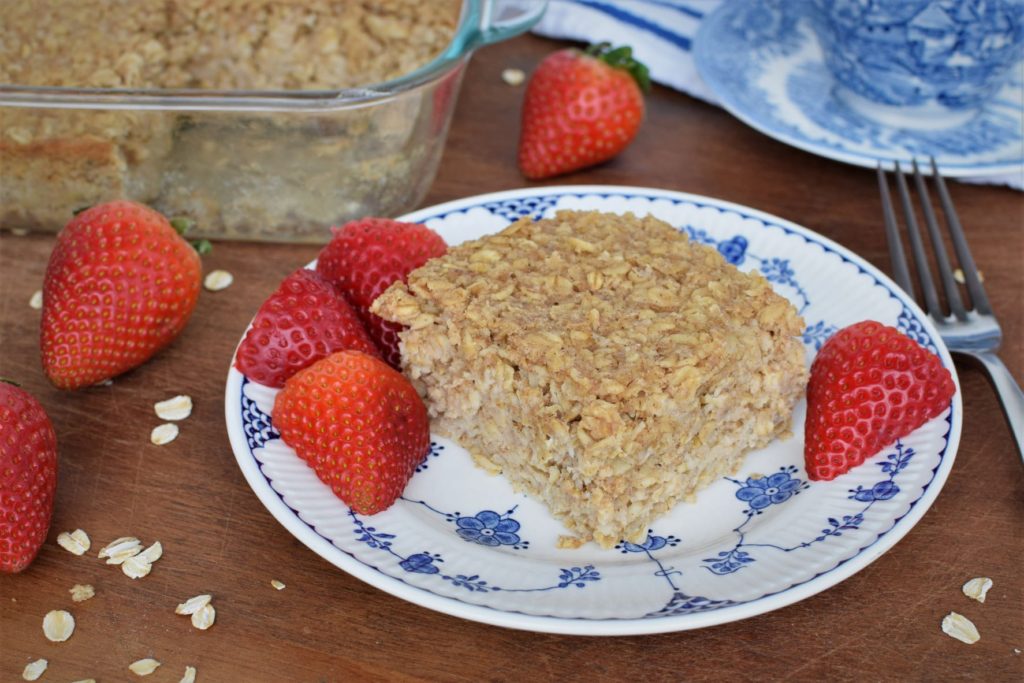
<point>120,285</point>
<point>304,320</point>
<point>580,108</point>
<point>358,423</point>
<point>364,257</point>
<point>870,385</point>
<point>28,477</point>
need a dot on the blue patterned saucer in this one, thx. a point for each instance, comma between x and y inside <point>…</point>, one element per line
<point>763,61</point>
<point>464,543</point>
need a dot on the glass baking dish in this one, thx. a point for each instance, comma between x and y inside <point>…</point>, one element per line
<point>277,165</point>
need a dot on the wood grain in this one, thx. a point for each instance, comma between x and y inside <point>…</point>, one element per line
<point>881,624</point>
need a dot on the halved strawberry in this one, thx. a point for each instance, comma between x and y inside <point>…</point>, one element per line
<point>870,384</point>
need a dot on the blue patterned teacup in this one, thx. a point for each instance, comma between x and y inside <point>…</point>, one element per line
<point>920,63</point>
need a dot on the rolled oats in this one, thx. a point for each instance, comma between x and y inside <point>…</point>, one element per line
<point>217,280</point>
<point>977,588</point>
<point>119,550</point>
<point>136,567</point>
<point>152,553</point>
<point>277,584</point>
<point>33,670</point>
<point>82,592</point>
<point>193,605</point>
<point>204,617</point>
<point>36,302</point>
<point>164,434</point>
<point>960,627</point>
<point>513,77</point>
<point>190,675</point>
<point>177,408</point>
<point>58,625</point>
<point>143,667</point>
<point>77,542</point>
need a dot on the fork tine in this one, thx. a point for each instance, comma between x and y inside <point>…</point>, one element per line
<point>956,305</point>
<point>924,273</point>
<point>900,270</point>
<point>963,254</point>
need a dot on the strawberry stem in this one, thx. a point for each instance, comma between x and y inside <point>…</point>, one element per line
<point>622,58</point>
<point>202,246</point>
<point>182,224</point>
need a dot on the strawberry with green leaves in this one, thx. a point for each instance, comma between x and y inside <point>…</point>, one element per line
<point>365,256</point>
<point>580,109</point>
<point>870,384</point>
<point>28,477</point>
<point>358,423</point>
<point>121,284</point>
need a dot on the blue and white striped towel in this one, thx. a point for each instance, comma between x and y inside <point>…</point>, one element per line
<point>661,33</point>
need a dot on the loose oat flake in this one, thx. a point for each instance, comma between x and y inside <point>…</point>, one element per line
<point>77,542</point>
<point>960,627</point>
<point>58,625</point>
<point>217,280</point>
<point>204,617</point>
<point>164,434</point>
<point>152,553</point>
<point>36,302</point>
<point>193,605</point>
<point>81,592</point>
<point>136,567</point>
<point>977,588</point>
<point>277,584</point>
<point>177,408</point>
<point>190,675</point>
<point>513,76</point>
<point>87,680</point>
<point>33,670</point>
<point>144,667</point>
<point>120,550</point>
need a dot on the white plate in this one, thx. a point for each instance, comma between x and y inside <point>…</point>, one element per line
<point>462,542</point>
<point>763,61</point>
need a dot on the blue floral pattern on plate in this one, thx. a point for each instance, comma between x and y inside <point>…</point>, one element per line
<point>465,548</point>
<point>763,61</point>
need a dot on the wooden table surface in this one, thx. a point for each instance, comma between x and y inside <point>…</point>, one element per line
<point>881,624</point>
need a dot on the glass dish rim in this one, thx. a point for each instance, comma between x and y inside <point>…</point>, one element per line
<point>475,28</point>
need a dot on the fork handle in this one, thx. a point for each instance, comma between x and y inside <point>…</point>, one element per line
<point>1009,394</point>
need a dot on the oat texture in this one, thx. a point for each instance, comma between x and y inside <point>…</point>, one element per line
<point>604,364</point>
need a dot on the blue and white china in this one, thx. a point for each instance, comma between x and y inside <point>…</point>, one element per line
<point>929,63</point>
<point>463,542</point>
<point>765,62</point>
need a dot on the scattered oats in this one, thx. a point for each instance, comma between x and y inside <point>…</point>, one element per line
<point>76,543</point>
<point>152,553</point>
<point>190,675</point>
<point>513,76</point>
<point>36,302</point>
<point>58,625</point>
<point>33,670</point>
<point>120,550</point>
<point>976,588</point>
<point>105,383</point>
<point>958,275</point>
<point>960,627</point>
<point>217,280</point>
<point>177,408</point>
<point>19,232</point>
<point>204,617</point>
<point>1016,650</point>
<point>82,592</point>
<point>136,567</point>
<point>164,434</point>
<point>143,667</point>
<point>87,680</point>
<point>193,605</point>
<point>277,584</point>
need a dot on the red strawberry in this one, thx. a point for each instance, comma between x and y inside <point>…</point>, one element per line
<point>364,257</point>
<point>870,385</point>
<point>28,477</point>
<point>120,285</point>
<point>580,108</point>
<point>359,424</point>
<point>305,320</point>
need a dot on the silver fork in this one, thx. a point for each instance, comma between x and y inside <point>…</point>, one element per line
<point>974,332</point>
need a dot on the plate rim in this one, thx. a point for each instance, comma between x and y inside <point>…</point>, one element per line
<point>722,94</point>
<point>292,521</point>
